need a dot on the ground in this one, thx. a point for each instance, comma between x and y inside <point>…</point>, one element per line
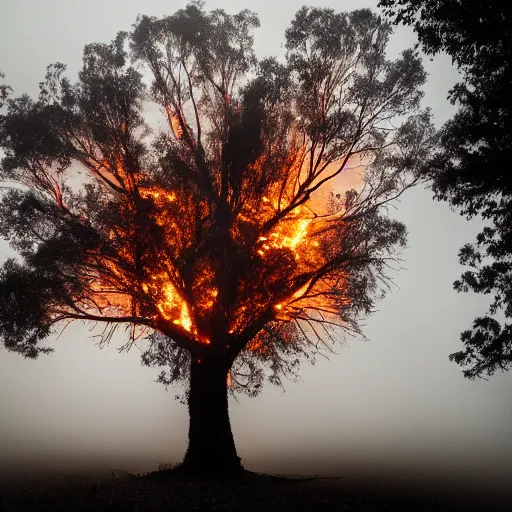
<point>115,490</point>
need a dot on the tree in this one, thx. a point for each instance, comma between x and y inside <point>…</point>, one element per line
<point>227,239</point>
<point>471,169</point>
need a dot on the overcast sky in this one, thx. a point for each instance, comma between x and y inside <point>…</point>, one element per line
<point>393,401</point>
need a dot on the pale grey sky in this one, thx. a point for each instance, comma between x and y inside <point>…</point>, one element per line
<point>394,400</point>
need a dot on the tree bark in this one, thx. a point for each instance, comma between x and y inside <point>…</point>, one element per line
<point>211,449</point>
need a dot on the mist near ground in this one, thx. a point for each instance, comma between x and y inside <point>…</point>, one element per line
<point>392,405</point>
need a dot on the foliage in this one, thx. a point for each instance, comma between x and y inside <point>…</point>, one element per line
<point>4,91</point>
<point>230,232</point>
<point>471,170</point>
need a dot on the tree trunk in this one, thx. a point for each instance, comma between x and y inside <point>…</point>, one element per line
<point>211,448</point>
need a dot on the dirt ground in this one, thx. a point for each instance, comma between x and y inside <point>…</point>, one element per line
<point>119,491</point>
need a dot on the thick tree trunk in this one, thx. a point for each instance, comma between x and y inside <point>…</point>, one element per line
<point>211,448</point>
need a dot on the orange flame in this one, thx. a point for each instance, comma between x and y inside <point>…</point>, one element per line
<point>279,252</point>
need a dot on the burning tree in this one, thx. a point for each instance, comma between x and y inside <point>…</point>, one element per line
<point>245,232</point>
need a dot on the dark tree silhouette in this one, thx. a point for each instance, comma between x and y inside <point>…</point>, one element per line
<point>471,170</point>
<point>4,91</point>
<point>228,239</point>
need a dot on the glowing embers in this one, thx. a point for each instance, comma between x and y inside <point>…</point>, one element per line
<point>171,306</point>
<point>286,254</point>
<point>257,345</point>
<point>199,291</point>
<point>162,199</point>
<point>204,292</point>
<point>290,234</point>
<point>240,319</point>
<point>209,300</point>
<point>158,195</point>
<point>303,236</point>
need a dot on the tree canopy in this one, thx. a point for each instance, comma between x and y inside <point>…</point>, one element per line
<point>223,226</point>
<point>471,169</point>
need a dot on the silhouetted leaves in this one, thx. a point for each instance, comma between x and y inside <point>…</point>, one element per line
<point>4,91</point>
<point>471,170</point>
<point>24,300</point>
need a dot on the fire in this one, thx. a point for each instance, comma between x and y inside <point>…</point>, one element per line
<point>171,302</point>
<point>290,247</point>
<point>158,194</point>
<point>289,237</point>
<point>279,236</point>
